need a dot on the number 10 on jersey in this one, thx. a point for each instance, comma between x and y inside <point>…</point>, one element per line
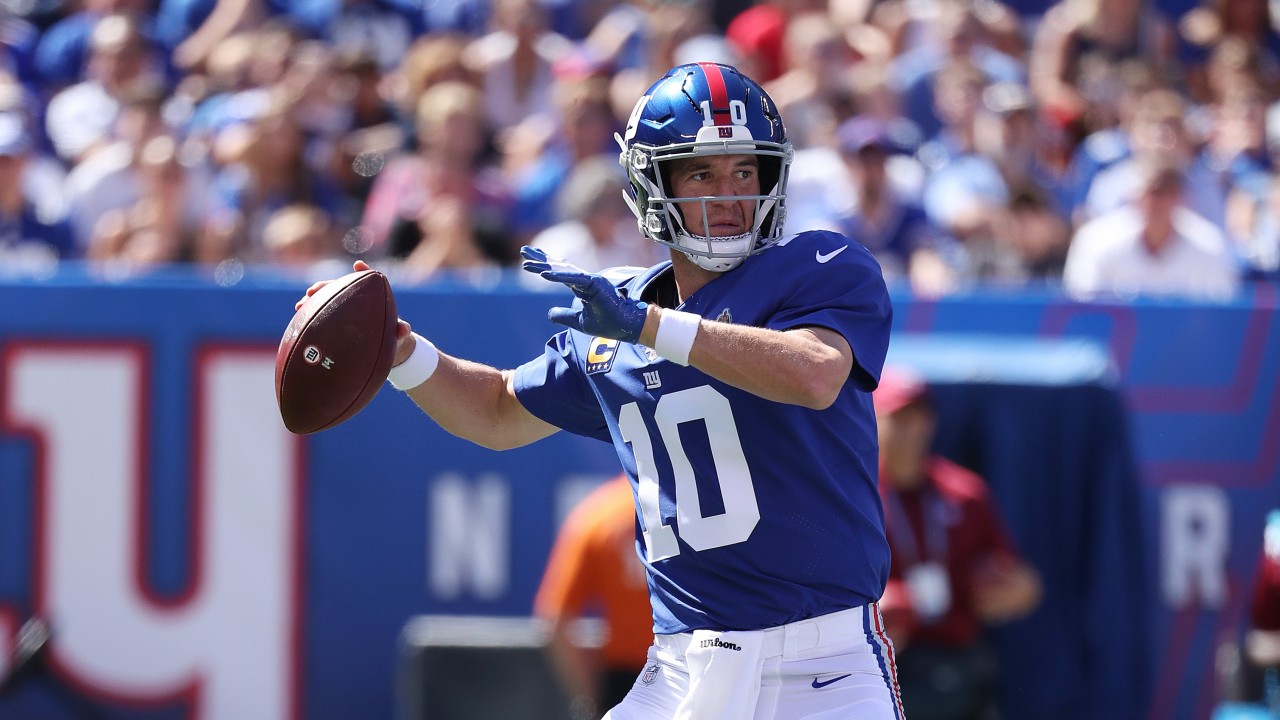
<point>741,512</point>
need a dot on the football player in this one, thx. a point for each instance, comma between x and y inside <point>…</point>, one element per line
<point>735,383</point>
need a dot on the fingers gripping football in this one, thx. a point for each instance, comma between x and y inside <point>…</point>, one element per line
<point>404,331</point>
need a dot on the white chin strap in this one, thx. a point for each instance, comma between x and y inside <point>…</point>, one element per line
<point>728,252</point>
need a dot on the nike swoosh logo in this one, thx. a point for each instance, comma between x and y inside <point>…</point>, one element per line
<point>824,258</point>
<point>819,684</point>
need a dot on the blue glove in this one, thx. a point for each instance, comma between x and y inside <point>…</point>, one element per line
<point>604,312</point>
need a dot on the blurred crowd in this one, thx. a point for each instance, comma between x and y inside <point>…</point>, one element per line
<point>1112,146</point>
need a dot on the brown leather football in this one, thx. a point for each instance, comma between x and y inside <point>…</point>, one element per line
<point>336,352</point>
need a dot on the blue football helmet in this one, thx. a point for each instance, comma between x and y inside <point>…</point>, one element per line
<point>696,110</point>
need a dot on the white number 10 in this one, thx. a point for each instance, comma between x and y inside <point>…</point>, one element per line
<point>741,513</point>
<point>737,113</point>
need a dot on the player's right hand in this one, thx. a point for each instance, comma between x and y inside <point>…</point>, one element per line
<point>404,343</point>
<point>604,312</point>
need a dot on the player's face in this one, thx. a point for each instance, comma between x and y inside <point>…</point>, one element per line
<point>723,177</point>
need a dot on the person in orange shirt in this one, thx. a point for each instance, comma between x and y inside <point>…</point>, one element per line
<point>594,567</point>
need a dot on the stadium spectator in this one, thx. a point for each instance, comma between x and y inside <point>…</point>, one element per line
<point>813,89</point>
<point>542,152</point>
<point>957,35</point>
<point>1009,130</point>
<point>964,189</point>
<point>43,174</point>
<point>594,570</point>
<point>382,30</point>
<point>515,61</point>
<point>262,166</point>
<point>107,179</point>
<point>302,237</point>
<point>641,40</point>
<point>1114,97</point>
<point>64,50</point>
<point>121,59</point>
<point>160,223</point>
<point>1158,133</point>
<point>596,230</point>
<point>1152,246</point>
<point>1076,34</point>
<point>191,29</point>
<point>432,59</point>
<point>1028,236</point>
<point>1236,156</point>
<point>366,129</point>
<point>443,205</point>
<point>30,232</point>
<point>892,227</point>
<point>18,39</point>
<point>1255,226</point>
<point>757,34</point>
<point>1245,26</point>
<point>757,31</point>
<point>955,570</point>
<point>1031,242</point>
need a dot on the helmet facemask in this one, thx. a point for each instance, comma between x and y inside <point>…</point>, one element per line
<point>660,216</point>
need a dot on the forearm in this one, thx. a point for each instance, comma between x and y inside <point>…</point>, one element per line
<point>806,366</point>
<point>477,403</point>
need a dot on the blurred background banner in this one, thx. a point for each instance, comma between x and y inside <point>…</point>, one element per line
<point>195,560</point>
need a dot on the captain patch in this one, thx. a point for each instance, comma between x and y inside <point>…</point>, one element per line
<point>601,354</point>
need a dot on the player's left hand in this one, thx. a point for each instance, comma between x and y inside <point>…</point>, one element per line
<point>604,313</point>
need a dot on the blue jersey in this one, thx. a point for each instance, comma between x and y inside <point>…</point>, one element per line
<point>752,513</point>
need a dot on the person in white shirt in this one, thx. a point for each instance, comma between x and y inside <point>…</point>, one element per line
<point>1152,246</point>
<point>80,119</point>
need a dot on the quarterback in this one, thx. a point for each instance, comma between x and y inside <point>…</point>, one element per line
<point>735,383</point>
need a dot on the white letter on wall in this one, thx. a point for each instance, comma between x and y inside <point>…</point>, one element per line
<point>232,634</point>
<point>469,529</point>
<point>1195,524</point>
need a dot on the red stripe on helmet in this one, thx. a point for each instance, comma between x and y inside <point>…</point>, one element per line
<point>719,94</point>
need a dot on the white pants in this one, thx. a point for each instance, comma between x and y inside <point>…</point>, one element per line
<point>837,666</point>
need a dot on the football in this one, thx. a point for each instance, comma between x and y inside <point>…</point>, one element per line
<point>336,352</point>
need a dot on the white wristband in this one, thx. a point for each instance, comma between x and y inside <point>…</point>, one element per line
<point>418,367</point>
<point>676,332</point>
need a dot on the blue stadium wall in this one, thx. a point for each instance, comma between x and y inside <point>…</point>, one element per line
<point>197,561</point>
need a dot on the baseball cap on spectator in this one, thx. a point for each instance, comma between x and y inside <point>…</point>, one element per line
<point>899,387</point>
<point>861,132</point>
<point>14,138</point>
<point>757,33</point>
